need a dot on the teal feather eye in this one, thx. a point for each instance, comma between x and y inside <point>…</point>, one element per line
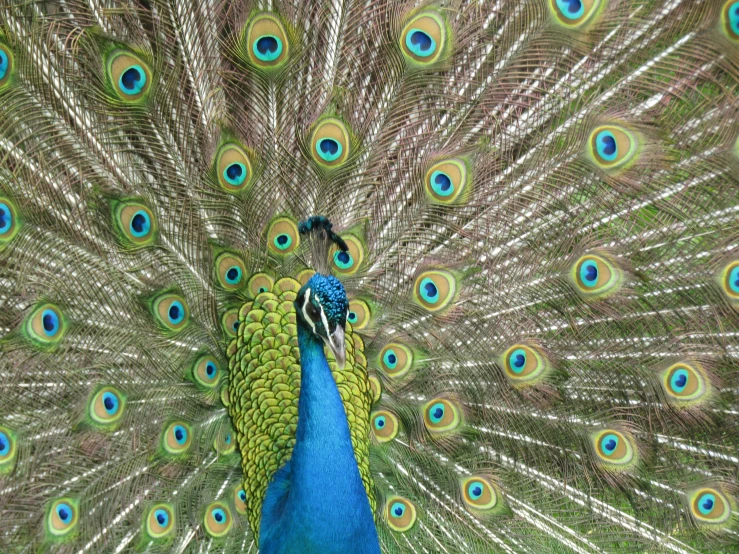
<point>709,506</point>
<point>525,365</point>
<point>136,223</point>
<point>46,325</point>
<point>129,76</point>
<point>574,13</point>
<point>282,236</point>
<point>384,425</point>
<point>206,372</point>
<point>596,277</point>
<point>349,262</point>
<point>260,283</point>
<point>177,438</point>
<point>217,519</point>
<point>9,224</point>
<point>224,444</point>
<point>435,290</point>
<point>230,322</point>
<point>359,314</point>
<point>233,168</point>
<point>267,46</point>
<point>171,312</point>
<point>396,359</point>
<point>446,181</point>
<point>441,416</point>
<point>230,271</point>
<point>62,517</point>
<point>239,498</point>
<point>479,494</point>
<point>6,65</point>
<point>8,450</point>
<point>612,147</point>
<point>160,521</point>
<point>423,39</point>
<point>106,406</point>
<point>330,146</point>
<point>685,384</point>
<point>400,514</point>
<point>729,282</point>
<point>614,449</point>
<point>730,19</point>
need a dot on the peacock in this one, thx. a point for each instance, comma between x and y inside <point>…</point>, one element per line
<point>369,276</point>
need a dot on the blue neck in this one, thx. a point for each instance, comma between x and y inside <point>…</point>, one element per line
<point>317,502</point>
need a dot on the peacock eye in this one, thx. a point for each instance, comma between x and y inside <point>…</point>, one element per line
<point>524,364</point>
<point>446,181</point>
<point>729,281</point>
<point>730,17</point>
<point>685,383</point>
<point>233,168</point>
<point>171,312</point>
<point>106,406</point>
<point>283,236</point>
<point>596,277</point>
<point>239,499</point>
<point>63,517</point>
<point>230,271</point>
<point>573,13</point>
<point>709,506</point>
<point>330,145</point>
<point>348,262</point>
<point>400,513</point>
<point>6,65</point>
<point>478,493</point>
<point>129,76</point>
<point>206,372</point>
<point>177,438</point>
<point>8,221</point>
<point>441,416</point>
<point>384,425</point>
<point>7,450</point>
<point>160,521</point>
<point>46,325</point>
<point>612,147</point>
<point>435,290</point>
<point>136,224</point>
<point>267,45</point>
<point>396,359</point>
<point>230,322</point>
<point>614,449</point>
<point>423,39</point>
<point>260,283</point>
<point>218,519</point>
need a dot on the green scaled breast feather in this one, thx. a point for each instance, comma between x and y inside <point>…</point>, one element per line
<point>264,386</point>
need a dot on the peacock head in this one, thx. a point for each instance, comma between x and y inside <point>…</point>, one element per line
<point>322,307</point>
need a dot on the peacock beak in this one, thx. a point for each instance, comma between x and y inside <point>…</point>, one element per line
<point>337,346</point>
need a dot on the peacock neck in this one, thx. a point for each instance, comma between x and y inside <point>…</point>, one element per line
<point>326,504</point>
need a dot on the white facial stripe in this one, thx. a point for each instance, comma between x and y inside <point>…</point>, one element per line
<point>325,326</point>
<point>305,314</point>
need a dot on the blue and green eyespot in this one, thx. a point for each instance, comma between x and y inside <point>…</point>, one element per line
<point>479,494</point>
<point>171,312</point>
<point>218,520</point>
<point>160,521</point>
<point>730,20</point>
<point>136,223</point>
<point>282,236</point>
<point>441,416</point>
<point>729,282</point>
<point>525,364</point>
<point>233,168</point>
<point>8,450</point>
<point>359,314</point>
<point>46,326</point>
<point>176,438</point>
<point>230,271</point>
<point>206,372</point>
<point>446,182</point>
<point>330,143</point>
<point>384,425</point>
<point>267,46</point>
<point>573,14</point>
<point>596,276</point>
<point>260,283</point>
<point>400,514</point>
<point>396,360</point>
<point>613,147</point>
<point>6,65</point>
<point>435,290</point>
<point>710,506</point>
<point>230,322</point>
<point>423,39</point>
<point>106,406</point>
<point>615,450</point>
<point>9,223</point>
<point>239,499</point>
<point>686,384</point>
<point>128,75</point>
<point>349,262</point>
<point>62,517</point>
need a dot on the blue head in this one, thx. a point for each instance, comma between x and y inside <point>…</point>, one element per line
<point>322,307</point>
